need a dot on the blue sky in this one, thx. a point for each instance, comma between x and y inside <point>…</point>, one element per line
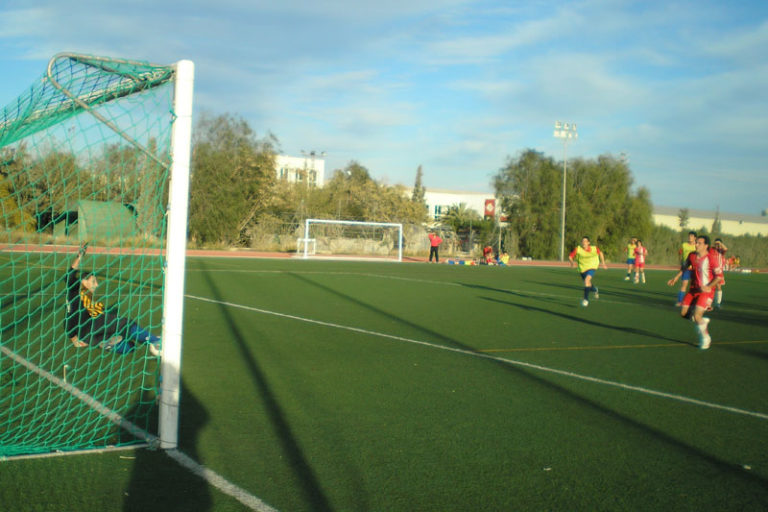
<point>456,86</point>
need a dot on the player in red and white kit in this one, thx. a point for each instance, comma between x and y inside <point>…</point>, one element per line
<point>706,273</point>
<point>640,253</point>
<point>721,249</point>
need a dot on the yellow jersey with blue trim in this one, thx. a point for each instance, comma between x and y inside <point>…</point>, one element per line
<point>587,260</point>
<point>685,250</point>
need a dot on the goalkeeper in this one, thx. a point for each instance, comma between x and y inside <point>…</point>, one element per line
<point>88,322</point>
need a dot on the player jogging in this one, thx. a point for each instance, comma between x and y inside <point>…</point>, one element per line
<point>630,257</point>
<point>721,249</point>
<point>640,253</point>
<point>706,273</point>
<point>90,323</point>
<point>588,257</point>
<point>686,248</point>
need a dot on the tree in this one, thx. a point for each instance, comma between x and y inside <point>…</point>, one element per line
<point>600,203</point>
<point>352,194</point>
<point>683,218</point>
<point>529,190</point>
<point>459,216</point>
<point>233,176</point>
<point>716,224</point>
<point>19,204</point>
<point>418,194</point>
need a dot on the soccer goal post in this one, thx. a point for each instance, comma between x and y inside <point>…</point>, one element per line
<point>351,239</point>
<point>96,152</point>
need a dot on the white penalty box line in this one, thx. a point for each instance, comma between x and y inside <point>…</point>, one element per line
<point>211,477</point>
<point>512,362</point>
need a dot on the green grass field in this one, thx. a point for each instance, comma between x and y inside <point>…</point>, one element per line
<point>361,386</point>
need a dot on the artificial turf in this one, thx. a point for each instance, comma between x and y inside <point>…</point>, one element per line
<point>319,385</point>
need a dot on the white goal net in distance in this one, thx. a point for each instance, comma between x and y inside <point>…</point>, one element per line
<point>349,239</point>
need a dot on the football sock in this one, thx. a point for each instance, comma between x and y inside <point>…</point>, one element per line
<point>718,296</point>
<point>680,296</point>
<point>137,333</point>
<point>587,289</point>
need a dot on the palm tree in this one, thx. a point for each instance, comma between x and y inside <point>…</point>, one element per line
<point>459,216</point>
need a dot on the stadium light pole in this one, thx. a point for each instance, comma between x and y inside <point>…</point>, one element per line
<point>565,131</point>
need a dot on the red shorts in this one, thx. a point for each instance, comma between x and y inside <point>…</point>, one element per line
<point>640,265</point>
<point>700,299</point>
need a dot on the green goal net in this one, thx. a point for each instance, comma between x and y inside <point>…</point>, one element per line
<point>86,156</point>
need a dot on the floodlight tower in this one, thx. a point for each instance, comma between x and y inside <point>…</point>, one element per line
<point>565,131</point>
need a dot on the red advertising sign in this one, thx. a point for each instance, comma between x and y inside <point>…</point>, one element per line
<point>490,208</point>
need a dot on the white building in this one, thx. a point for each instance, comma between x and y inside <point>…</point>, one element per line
<point>438,201</point>
<point>309,169</point>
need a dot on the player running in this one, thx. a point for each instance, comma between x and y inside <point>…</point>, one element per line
<point>706,273</point>
<point>630,257</point>
<point>589,257</point>
<point>89,322</point>
<point>721,249</point>
<point>640,254</point>
<point>686,248</point>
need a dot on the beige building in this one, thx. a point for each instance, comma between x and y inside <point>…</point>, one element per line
<point>730,223</point>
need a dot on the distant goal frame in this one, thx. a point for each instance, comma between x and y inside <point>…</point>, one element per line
<point>304,252</point>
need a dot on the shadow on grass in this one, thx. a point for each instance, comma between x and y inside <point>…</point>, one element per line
<point>573,318</point>
<point>510,366</point>
<point>157,482</point>
<point>539,297</point>
<point>304,473</point>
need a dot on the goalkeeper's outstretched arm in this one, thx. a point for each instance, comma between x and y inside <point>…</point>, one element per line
<point>73,289</point>
<point>80,253</point>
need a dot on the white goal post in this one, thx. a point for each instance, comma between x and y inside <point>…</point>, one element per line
<point>313,243</point>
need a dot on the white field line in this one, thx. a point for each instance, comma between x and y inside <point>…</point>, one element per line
<point>212,478</point>
<point>512,362</point>
<point>576,297</point>
<point>219,482</point>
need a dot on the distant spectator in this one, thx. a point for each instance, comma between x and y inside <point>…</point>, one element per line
<point>488,255</point>
<point>434,246</point>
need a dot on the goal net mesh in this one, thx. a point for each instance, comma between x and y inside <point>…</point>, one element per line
<point>84,156</point>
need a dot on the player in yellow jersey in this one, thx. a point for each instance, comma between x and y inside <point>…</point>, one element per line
<point>686,248</point>
<point>630,257</point>
<point>588,258</point>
